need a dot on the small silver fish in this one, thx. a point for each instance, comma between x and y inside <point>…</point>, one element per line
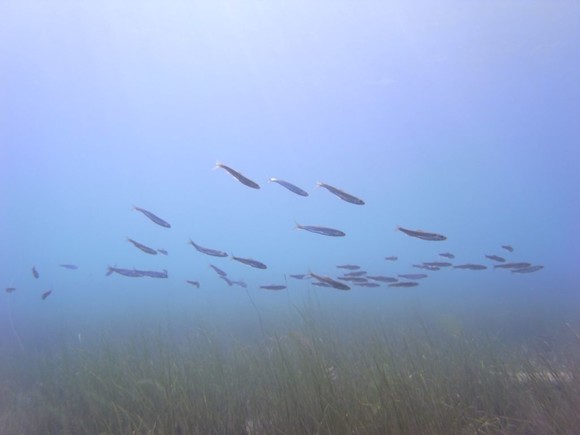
<point>35,273</point>
<point>152,217</point>
<point>291,187</point>
<point>392,258</point>
<point>10,289</point>
<point>528,269</point>
<point>250,262</point>
<point>46,294</point>
<point>242,179</point>
<point>447,255</point>
<point>273,287</point>
<point>193,283</point>
<point>348,266</point>
<point>163,252</point>
<point>69,266</point>
<point>470,266</point>
<point>325,231</point>
<point>521,265</point>
<point>496,258</point>
<point>404,284</point>
<point>330,282</point>
<point>413,275</point>
<point>507,248</point>
<point>341,194</point>
<point>381,278</point>
<point>142,247</point>
<point>423,235</point>
<point>218,270</point>
<point>208,251</point>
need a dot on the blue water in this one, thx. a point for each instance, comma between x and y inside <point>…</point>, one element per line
<point>459,119</point>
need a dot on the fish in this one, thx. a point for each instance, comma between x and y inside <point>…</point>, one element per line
<point>151,216</point>
<point>507,248</point>
<point>250,262</point>
<point>348,266</point>
<point>46,294</point>
<point>142,247</point>
<point>528,269</point>
<point>447,255</point>
<point>356,273</point>
<point>404,284</point>
<point>125,272</point>
<point>193,283</point>
<point>35,273</point>
<point>69,266</point>
<point>512,265</point>
<point>329,281</point>
<point>242,179</point>
<point>321,284</point>
<point>226,279</point>
<point>300,276</point>
<point>240,283</point>
<point>413,275</point>
<point>495,258</point>
<point>437,263</point>
<point>367,284</point>
<point>382,278</point>
<point>325,231</point>
<point>341,194</point>
<point>163,252</point>
<point>291,187</point>
<point>423,235</point>
<point>470,266</point>
<point>426,267</point>
<point>273,287</point>
<point>218,270</point>
<point>352,278</point>
<point>153,273</point>
<point>10,289</point>
<point>392,258</point>
<point>208,251</point>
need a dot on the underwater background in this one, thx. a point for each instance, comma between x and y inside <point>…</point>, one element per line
<point>453,118</point>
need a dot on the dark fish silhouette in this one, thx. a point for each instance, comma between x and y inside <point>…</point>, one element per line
<point>153,273</point>
<point>348,266</point>
<point>242,179</point>
<point>392,258</point>
<point>330,282</point>
<point>35,273</point>
<point>447,255</point>
<point>325,231</point>
<point>381,278</point>
<point>218,270</point>
<point>507,248</point>
<point>356,273</point>
<point>10,289</point>
<point>495,258</point>
<point>528,269</point>
<point>413,275</point>
<point>250,262</point>
<point>426,267</point>
<point>404,284</point>
<point>151,216</point>
<point>226,279</point>
<point>208,251</point>
<point>437,263</point>
<point>46,294</point>
<point>512,265</point>
<point>291,187</point>
<point>367,284</point>
<point>142,247</point>
<point>193,283</point>
<point>352,278</point>
<point>470,266</point>
<point>423,235</point>
<point>240,283</point>
<point>273,287</point>
<point>133,273</point>
<point>300,276</point>
<point>341,194</point>
<point>163,252</point>
<point>69,266</point>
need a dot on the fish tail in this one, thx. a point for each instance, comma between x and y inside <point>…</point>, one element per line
<point>271,180</point>
<point>218,164</point>
<point>109,271</point>
<point>319,184</point>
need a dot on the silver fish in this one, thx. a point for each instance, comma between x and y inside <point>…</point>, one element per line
<point>250,262</point>
<point>341,194</point>
<point>242,179</point>
<point>356,273</point>
<point>208,251</point>
<point>153,273</point>
<point>392,258</point>
<point>512,265</point>
<point>348,266</point>
<point>273,287</point>
<point>404,284</point>
<point>325,231</point>
<point>470,266</point>
<point>142,247</point>
<point>226,279</point>
<point>413,275</point>
<point>151,216</point>
<point>447,255</point>
<point>367,284</point>
<point>352,278</point>
<point>300,276</point>
<point>437,263</point>
<point>193,283</point>
<point>35,273</point>
<point>423,235</point>
<point>329,281</point>
<point>507,248</point>
<point>125,272</point>
<point>291,187</point>
<point>69,266</point>
<point>46,294</point>
<point>163,252</point>
<point>218,270</point>
<point>381,278</point>
<point>10,289</point>
<point>528,269</point>
<point>496,258</point>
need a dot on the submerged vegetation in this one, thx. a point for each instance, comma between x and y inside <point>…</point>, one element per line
<point>308,378</point>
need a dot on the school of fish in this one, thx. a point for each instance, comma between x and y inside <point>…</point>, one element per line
<point>355,276</point>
